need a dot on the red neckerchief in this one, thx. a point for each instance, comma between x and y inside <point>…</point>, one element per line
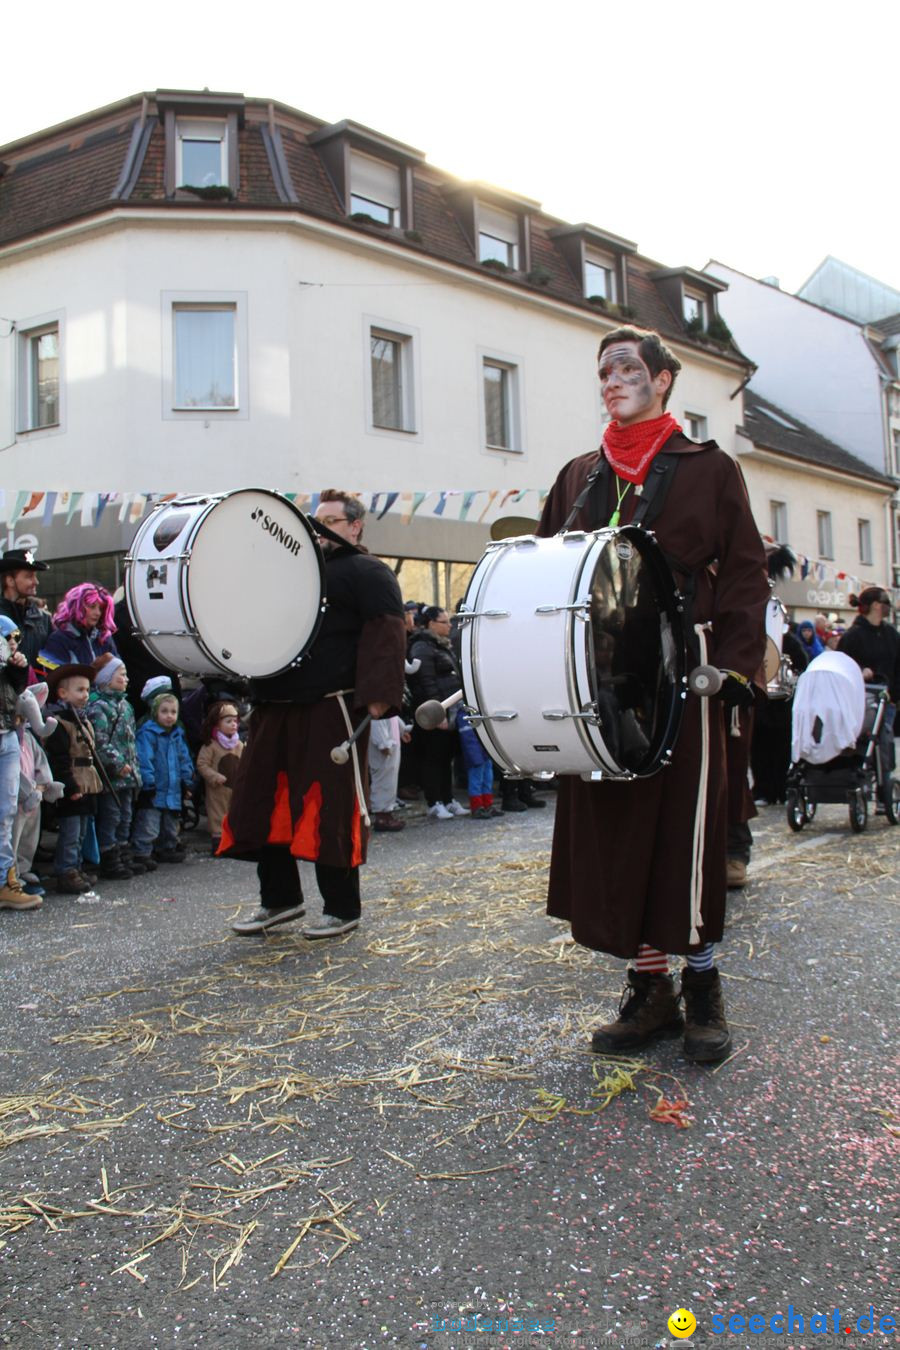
<point>630,450</point>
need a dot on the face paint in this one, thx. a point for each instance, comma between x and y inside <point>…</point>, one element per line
<point>627,385</point>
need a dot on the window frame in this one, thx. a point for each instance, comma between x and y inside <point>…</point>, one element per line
<point>483,214</point>
<point>409,339</point>
<point>224,161</point>
<point>395,213</point>
<point>702,304</point>
<point>512,366</point>
<point>825,534</point>
<point>607,263</point>
<point>171,302</point>
<point>29,331</point>
<point>865,540</point>
<point>778,509</point>
<point>702,420</point>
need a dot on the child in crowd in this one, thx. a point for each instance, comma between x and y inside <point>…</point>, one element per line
<point>217,762</point>
<point>36,785</point>
<point>13,677</point>
<point>112,718</point>
<point>479,769</point>
<point>166,773</point>
<point>71,753</point>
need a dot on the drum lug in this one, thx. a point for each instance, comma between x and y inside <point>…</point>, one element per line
<point>581,609</point>
<point>476,718</point>
<point>558,715</point>
<point>483,614</point>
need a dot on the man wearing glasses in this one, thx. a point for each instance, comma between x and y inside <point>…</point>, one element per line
<point>290,800</point>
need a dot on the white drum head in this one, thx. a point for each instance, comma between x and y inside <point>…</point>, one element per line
<point>254,583</point>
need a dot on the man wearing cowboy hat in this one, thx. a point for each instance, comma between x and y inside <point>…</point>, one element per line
<point>18,572</point>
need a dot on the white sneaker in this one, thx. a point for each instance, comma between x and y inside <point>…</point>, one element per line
<point>329,926</point>
<point>439,812</point>
<point>456,810</point>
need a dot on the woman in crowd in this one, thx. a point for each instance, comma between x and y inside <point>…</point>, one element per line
<point>437,678</point>
<point>82,628</point>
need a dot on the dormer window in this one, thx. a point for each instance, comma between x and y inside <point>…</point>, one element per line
<point>375,189</point>
<point>498,236</point>
<point>599,276</point>
<point>201,152</point>
<point>696,310</point>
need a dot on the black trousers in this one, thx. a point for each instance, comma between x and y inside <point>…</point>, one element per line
<point>436,750</point>
<point>279,884</point>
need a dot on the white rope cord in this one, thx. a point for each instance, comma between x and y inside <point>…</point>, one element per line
<point>700,810</point>
<point>360,795</point>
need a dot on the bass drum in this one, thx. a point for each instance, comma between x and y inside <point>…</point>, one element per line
<point>573,654</point>
<point>232,584</point>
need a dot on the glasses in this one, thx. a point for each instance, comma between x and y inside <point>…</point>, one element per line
<point>330,520</point>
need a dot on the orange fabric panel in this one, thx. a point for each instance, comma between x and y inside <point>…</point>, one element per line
<point>306,840</point>
<point>227,838</point>
<point>356,836</point>
<point>280,823</point>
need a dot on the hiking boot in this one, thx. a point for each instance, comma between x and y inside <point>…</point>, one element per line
<point>736,873</point>
<point>386,820</point>
<point>706,1034</point>
<point>72,883</point>
<point>136,866</point>
<point>112,866</point>
<point>142,862</point>
<point>648,1011</point>
<point>171,855</point>
<point>14,896</point>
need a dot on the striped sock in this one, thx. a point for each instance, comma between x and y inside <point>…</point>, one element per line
<point>702,960</point>
<point>651,962</point>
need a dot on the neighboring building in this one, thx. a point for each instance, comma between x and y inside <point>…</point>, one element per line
<point>843,289</point>
<point>835,373</point>
<point>209,291</point>
<point>833,509</point>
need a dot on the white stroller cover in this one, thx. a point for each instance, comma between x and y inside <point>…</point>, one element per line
<point>829,708</point>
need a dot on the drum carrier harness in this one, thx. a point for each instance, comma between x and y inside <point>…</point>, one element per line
<point>651,496</point>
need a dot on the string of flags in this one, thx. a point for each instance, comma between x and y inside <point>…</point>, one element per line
<point>480,506</point>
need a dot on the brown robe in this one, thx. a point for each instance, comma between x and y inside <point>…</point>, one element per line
<point>621,862</point>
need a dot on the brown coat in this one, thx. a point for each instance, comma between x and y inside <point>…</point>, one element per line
<point>211,769</point>
<point>621,862</point>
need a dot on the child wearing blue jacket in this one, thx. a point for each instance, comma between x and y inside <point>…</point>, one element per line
<point>167,772</point>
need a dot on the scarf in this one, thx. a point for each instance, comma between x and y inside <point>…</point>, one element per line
<point>227,742</point>
<point>630,450</point>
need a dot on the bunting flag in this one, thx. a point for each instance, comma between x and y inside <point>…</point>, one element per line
<point>418,499</point>
<point>490,503</point>
<point>439,509</point>
<point>88,502</point>
<point>34,502</point>
<point>74,499</point>
<point>21,499</point>
<point>49,503</point>
<point>468,499</point>
<point>391,498</point>
<point>102,504</point>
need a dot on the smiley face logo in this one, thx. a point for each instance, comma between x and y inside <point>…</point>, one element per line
<point>682,1323</point>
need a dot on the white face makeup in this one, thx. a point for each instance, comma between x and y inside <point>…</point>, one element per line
<point>630,393</point>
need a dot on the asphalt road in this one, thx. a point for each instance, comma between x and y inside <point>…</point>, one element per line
<point>249,1142</point>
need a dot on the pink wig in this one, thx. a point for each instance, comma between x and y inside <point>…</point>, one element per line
<point>71,608</point>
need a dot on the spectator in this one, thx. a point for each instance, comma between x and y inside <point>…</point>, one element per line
<point>166,775</point>
<point>112,718</point>
<point>221,748</point>
<point>71,752</point>
<point>13,674</point>
<point>18,571</point>
<point>438,677</point>
<point>809,639</point>
<point>83,627</point>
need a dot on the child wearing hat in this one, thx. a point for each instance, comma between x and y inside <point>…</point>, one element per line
<point>13,676</point>
<point>71,752</point>
<point>166,770</point>
<point>112,717</point>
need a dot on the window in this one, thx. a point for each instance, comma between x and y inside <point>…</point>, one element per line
<point>599,277</point>
<point>895,439</point>
<point>695,426</point>
<point>498,236</point>
<point>205,356</point>
<point>393,406</point>
<point>374,189</point>
<point>864,528</point>
<point>694,310</point>
<point>39,378</point>
<point>500,384</point>
<point>823,524</point>
<point>202,153</point>
<point>778,524</point>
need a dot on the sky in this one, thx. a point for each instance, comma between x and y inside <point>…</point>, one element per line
<point>761,135</point>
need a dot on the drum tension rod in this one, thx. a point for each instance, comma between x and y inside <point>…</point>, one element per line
<point>483,614</point>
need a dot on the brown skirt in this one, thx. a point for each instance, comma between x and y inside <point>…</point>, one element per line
<point>289,792</point>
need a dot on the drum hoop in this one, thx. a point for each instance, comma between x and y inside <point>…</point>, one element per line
<point>491,558</point>
<point>595,745</point>
<point>183,579</point>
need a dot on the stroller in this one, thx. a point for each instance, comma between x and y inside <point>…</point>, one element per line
<point>841,748</point>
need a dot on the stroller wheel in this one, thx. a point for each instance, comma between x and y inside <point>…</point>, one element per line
<point>796,815</point>
<point>859,811</point>
<point>891,799</point>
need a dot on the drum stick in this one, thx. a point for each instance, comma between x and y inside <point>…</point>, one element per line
<point>430,715</point>
<point>341,753</point>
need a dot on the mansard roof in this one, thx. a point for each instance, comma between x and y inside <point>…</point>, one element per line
<point>771,428</point>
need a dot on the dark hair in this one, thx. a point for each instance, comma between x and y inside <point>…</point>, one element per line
<point>430,613</point>
<point>353,507</point>
<point>213,713</point>
<point>653,352</point>
<point>865,600</point>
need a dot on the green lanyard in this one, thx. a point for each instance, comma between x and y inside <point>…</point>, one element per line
<point>621,490</point>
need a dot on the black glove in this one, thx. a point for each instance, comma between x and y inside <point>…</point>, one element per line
<point>736,692</point>
<point>145,797</point>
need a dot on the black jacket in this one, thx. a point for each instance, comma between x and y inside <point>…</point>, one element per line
<point>438,676</point>
<point>34,626</point>
<point>360,591</point>
<point>12,682</point>
<point>878,647</point>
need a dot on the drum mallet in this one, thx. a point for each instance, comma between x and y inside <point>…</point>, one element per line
<point>341,753</point>
<point>705,681</point>
<point>430,715</point>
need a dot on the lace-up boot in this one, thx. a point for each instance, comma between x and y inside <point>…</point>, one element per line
<point>648,1011</point>
<point>706,1034</point>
